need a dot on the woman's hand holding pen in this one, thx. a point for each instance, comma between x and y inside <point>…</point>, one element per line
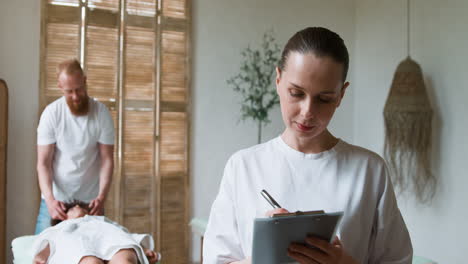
<point>276,211</point>
<point>323,252</point>
<point>276,207</point>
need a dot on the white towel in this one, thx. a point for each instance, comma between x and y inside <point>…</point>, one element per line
<point>96,236</point>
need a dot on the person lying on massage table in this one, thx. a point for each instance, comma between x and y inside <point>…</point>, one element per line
<point>83,238</point>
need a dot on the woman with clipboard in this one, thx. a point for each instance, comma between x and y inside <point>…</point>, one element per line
<point>306,168</point>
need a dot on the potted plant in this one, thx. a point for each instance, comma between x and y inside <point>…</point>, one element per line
<point>255,81</point>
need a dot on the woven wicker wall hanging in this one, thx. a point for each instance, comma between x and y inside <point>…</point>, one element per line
<point>408,131</point>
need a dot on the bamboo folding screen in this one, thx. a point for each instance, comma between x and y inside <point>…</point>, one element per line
<point>136,55</point>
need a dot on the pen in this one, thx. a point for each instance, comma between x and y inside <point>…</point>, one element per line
<point>270,199</point>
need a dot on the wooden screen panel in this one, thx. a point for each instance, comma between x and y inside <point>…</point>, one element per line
<point>174,236</point>
<point>174,67</point>
<point>142,7</point>
<point>138,220</point>
<point>139,64</point>
<point>102,18</point>
<point>138,172</point>
<point>101,62</point>
<point>111,5</point>
<point>138,203</point>
<point>64,2</point>
<point>137,213</point>
<point>111,196</point>
<point>138,191</point>
<point>173,145</point>
<point>175,8</point>
<point>62,44</point>
<point>3,160</point>
<point>174,190</point>
<point>138,142</point>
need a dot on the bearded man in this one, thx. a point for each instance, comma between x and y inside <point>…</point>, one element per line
<point>75,146</point>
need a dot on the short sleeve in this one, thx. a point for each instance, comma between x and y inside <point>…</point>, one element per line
<point>46,129</point>
<point>221,242</point>
<point>106,134</point>
<point>392,243</point>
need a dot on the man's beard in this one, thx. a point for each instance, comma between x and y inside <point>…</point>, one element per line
<point>80,108</point>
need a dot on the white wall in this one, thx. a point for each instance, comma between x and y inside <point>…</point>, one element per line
<point>221,29</point>
<point>439,43</point>
<point>19,67</point>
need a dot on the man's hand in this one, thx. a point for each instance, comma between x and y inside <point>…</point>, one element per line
<point>323,252</point>
<point>97,206</point>
<point>56,209</point>
<point>152,256</point>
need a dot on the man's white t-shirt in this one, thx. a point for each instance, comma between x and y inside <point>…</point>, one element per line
<point>76,162</point>
<point>345,178</point>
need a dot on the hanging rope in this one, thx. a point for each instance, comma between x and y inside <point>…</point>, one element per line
<point>408,27</point>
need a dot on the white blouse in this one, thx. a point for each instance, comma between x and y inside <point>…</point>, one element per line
<point>345,178</point>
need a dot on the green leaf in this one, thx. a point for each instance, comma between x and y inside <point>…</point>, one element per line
<point>255,79</point>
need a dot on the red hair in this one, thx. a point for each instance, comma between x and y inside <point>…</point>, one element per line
<point>70,67</point>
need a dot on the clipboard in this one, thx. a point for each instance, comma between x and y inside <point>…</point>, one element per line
<point>273,235</point>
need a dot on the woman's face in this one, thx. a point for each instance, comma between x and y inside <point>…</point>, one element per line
<point>310,89</point>
<point>76,212</point>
